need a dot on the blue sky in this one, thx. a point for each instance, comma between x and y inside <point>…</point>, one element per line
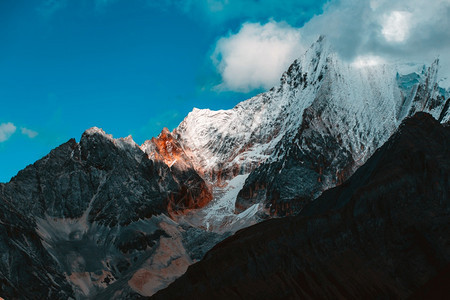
<point>129,67</point>
<point>136,66</point>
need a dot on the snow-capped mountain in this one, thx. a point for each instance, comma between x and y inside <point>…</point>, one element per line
<point>107,218</point>
<point>324,120</point>
<point>224,143</point>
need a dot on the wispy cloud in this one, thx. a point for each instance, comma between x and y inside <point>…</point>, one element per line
<point>49,7</point>
<point>28,132</point>
<point>6,131</point>
<point>219,11</point>
<point>101,5</point>
<point>256,56</point>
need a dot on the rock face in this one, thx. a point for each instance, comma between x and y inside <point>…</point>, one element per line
<point>167,151</point>
<point>26,268</point>
<point>91,218</point>
<point>383,233</point>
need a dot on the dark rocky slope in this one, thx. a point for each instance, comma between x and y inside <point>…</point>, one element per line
<point>384,233</point>
<point>114,179</point>
<point>86,218</point>
<point>27,271</point>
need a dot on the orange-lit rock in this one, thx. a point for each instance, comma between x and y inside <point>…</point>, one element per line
<point>192,192</point>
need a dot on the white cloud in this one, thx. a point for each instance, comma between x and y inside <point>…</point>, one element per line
<point>395,30</point>
<point>365,32</point>
<point>396,26</point>
<point>6,130</point>
<point>28,132</point>
<point>256,56</point>
<point>367,61</point>
<point>361,31</point>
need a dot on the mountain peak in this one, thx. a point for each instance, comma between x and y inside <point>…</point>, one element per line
<point>311,66</point>
<point>96,131</point>
<point>165,131</point>
<point>322,43</point>
<point>321,38</point>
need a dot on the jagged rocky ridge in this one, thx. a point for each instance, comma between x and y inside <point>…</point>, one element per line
<point>217,172</point>
<point>383,233</point>
<point>92,217</point>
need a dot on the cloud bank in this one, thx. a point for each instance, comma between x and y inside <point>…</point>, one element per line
<point>395,29</point>
<point>361,32</point>
<point>256,56</point>
<point>6,131</point>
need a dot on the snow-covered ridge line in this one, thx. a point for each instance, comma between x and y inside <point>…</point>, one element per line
<point>226,143</point>
<point>120,142</point>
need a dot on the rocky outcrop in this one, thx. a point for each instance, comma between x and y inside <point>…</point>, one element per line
<point>193,192</point>
<point>383,233</point>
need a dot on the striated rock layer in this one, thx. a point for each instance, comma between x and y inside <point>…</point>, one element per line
<point>383,233</point>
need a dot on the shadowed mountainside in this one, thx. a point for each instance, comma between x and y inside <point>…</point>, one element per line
<point>384,233</point>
